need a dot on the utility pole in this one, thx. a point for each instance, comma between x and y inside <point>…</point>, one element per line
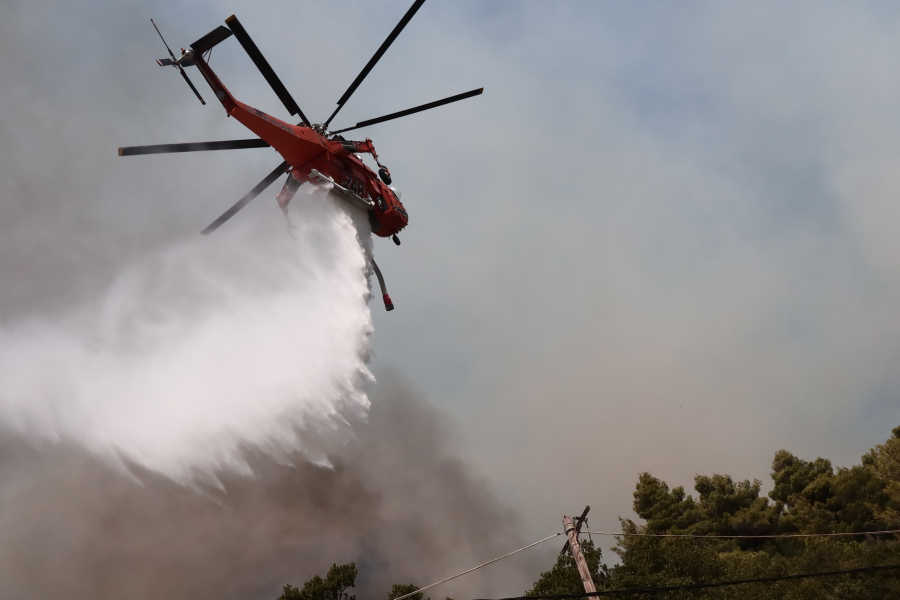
<point>575,547</point>
<point>579,522</point>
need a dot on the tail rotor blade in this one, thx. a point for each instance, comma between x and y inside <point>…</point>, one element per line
<point>378,54</point>
<point>175,64</point>
<point>263,65</point>
<point>163,40</point>
<point>412,111</point>
<point>183,74</point>
<point>256,191</point>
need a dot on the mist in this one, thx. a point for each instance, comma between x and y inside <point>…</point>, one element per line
<point>395,500</point>
<point>203,347</point>
<point>203,428</point>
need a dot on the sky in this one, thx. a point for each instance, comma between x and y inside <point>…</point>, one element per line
<point>662,240</point>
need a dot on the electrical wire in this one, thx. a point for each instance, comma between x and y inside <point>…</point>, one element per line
<point>699,586</point>
<point>743,537</point>
<point>671,588</point>
<point>550,537</point>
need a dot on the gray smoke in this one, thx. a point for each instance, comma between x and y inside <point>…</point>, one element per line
<point>396,501</point>
<point>76,81</point>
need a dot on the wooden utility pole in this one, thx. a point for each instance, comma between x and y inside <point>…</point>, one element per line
<point>579,522</point>
<point>575,547</point>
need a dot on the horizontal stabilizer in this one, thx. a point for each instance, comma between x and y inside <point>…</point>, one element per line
<point>219,34</point>
<point>193,147</point>
<point>168,62</point>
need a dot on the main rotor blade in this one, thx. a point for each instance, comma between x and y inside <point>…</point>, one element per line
<point>214,37</point>
<point>256,191</point>
<point>411,111</point>
<point>263,65</point>
<point>387,44</point>
<point>192,147</point>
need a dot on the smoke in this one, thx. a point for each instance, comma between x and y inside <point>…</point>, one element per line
<point>187,417</point>
<point>202,429</point>
<point>241,339</point>
<point>395,500</point>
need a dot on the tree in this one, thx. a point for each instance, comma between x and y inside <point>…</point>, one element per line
<point>807,497</point>
<point>564,578</point>
<point>334,586</point>
<point>401,589</point>
<point>885,463</point>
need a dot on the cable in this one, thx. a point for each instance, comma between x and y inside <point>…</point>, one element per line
<point>684,587</point>
<point>672,535</point>
<point>698,586</point>
<point>478,567</point>
<point>744,537</point>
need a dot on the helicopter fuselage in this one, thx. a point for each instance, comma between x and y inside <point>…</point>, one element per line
<point>311,155</point>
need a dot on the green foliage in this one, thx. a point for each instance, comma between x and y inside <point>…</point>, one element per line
<point>401,589</point>
<point>337,581</point>
<point>563,578</point>
<point>807,497</point>
<point>885,462</point>
<point>723,507</point>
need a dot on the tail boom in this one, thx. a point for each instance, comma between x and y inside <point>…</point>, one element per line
<point>298,144</point>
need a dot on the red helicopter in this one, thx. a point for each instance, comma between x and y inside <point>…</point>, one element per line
<point>312,153</point>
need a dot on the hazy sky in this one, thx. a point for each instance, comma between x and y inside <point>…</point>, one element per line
<point>663,240</point>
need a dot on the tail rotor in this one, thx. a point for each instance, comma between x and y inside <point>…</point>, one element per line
<point>174,62</point>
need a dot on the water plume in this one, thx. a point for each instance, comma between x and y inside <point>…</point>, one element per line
<point>246,338</point>
<point>202,429</point>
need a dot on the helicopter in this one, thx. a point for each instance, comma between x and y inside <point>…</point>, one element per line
<point>312,152</point>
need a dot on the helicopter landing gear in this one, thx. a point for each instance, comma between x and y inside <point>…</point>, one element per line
<point>284,198</point>
<point>287,192</point>
<point>396,239</point>
<point>385,175</point>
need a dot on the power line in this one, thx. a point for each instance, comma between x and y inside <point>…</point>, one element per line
<point>550,537</point>
<point>743,537</point>
<point>666,535</point>
<point>698,586</point>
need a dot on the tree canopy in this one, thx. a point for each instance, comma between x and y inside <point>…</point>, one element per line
<point>402,589</point>
<point>806,497</point>
<point>334,586</point>
<point>564,578</point>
